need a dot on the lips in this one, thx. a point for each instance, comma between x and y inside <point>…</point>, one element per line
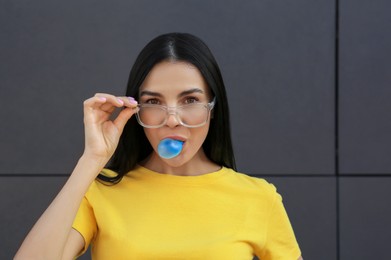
<point>175,137</point>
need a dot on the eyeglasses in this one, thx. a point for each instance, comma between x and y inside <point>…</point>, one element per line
<point>190,115</point>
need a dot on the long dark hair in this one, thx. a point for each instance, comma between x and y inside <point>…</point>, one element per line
<point>133,145</point>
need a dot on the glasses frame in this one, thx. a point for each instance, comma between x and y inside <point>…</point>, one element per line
<point>209,106</point>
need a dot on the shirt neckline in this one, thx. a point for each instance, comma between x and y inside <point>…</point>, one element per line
<point>141,172</point>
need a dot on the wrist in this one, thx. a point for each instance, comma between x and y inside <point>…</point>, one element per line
<point>98,161</point>
<point>87,169</point>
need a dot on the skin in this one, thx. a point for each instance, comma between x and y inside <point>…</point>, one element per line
<point>168,83</point>
<point>52,237</point>
<point>173,84</point>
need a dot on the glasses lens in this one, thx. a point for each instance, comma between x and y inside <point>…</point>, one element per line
<point>193,114</point>
<point>151,115</point>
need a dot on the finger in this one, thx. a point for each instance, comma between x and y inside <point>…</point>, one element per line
<point>129,101</point>
<point>89,106</point>
<point>123,117</point>
<point>94,102</point>
<point>115,101</point>
<point>126,101</point>
<point>108,107</point>
<point>97,104</point>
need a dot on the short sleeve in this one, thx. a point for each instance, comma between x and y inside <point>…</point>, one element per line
<point>85,223</point>
<point>280,241</point>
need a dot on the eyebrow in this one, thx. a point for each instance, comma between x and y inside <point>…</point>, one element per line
<point>184,93</point>
<point>150,93</point>
<point>191,91</point>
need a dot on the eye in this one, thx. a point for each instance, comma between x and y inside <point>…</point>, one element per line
<point>191,100</point>
<point>152,101</point>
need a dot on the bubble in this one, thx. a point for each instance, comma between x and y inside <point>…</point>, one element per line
<point>169,148</point>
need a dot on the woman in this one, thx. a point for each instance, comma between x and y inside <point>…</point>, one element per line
<point>150,203</point>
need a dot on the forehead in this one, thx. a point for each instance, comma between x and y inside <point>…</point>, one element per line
<point>174,76</point>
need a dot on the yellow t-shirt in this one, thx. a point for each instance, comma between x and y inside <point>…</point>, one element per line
<point>219,215</point>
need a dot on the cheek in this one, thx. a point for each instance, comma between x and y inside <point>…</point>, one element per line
<point>199,134</point>
<point>151,136</point>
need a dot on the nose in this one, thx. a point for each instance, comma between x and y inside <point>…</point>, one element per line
<point>172,120</point>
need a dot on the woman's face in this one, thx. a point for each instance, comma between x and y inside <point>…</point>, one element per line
<point>174,84</point>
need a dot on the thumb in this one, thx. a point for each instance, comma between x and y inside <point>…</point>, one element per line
<point>123,117</point>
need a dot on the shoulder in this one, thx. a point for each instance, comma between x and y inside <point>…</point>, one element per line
<point>251,181</point>
<point>260,196</point>
<point>99,186</point>
<point>251,184</point>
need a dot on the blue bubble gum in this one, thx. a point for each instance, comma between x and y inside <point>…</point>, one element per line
<point>169,148</point>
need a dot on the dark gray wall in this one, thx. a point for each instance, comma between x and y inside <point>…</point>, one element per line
<point>365,89</point>
<point>310,111</point>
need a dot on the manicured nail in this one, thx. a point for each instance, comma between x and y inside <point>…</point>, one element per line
<point>102,99</point>
<point>120,101</point>
<point>132,100</point>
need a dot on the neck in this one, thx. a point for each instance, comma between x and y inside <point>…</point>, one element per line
<point>200,164</point>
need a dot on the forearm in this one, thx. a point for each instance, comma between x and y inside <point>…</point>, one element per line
<point>48,237</point>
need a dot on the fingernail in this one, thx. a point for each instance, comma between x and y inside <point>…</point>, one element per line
<point>102,98</point>
<point>120,101</point>
<point>132,100</point>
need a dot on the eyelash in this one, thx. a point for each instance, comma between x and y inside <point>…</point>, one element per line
<point>186,100</point>
<point>193,100</point>
<point>152,101</point>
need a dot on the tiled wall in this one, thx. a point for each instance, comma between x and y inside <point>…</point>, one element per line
<point>309,92</point>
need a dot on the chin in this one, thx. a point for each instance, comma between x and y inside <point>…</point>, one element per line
<point>176,161</point>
